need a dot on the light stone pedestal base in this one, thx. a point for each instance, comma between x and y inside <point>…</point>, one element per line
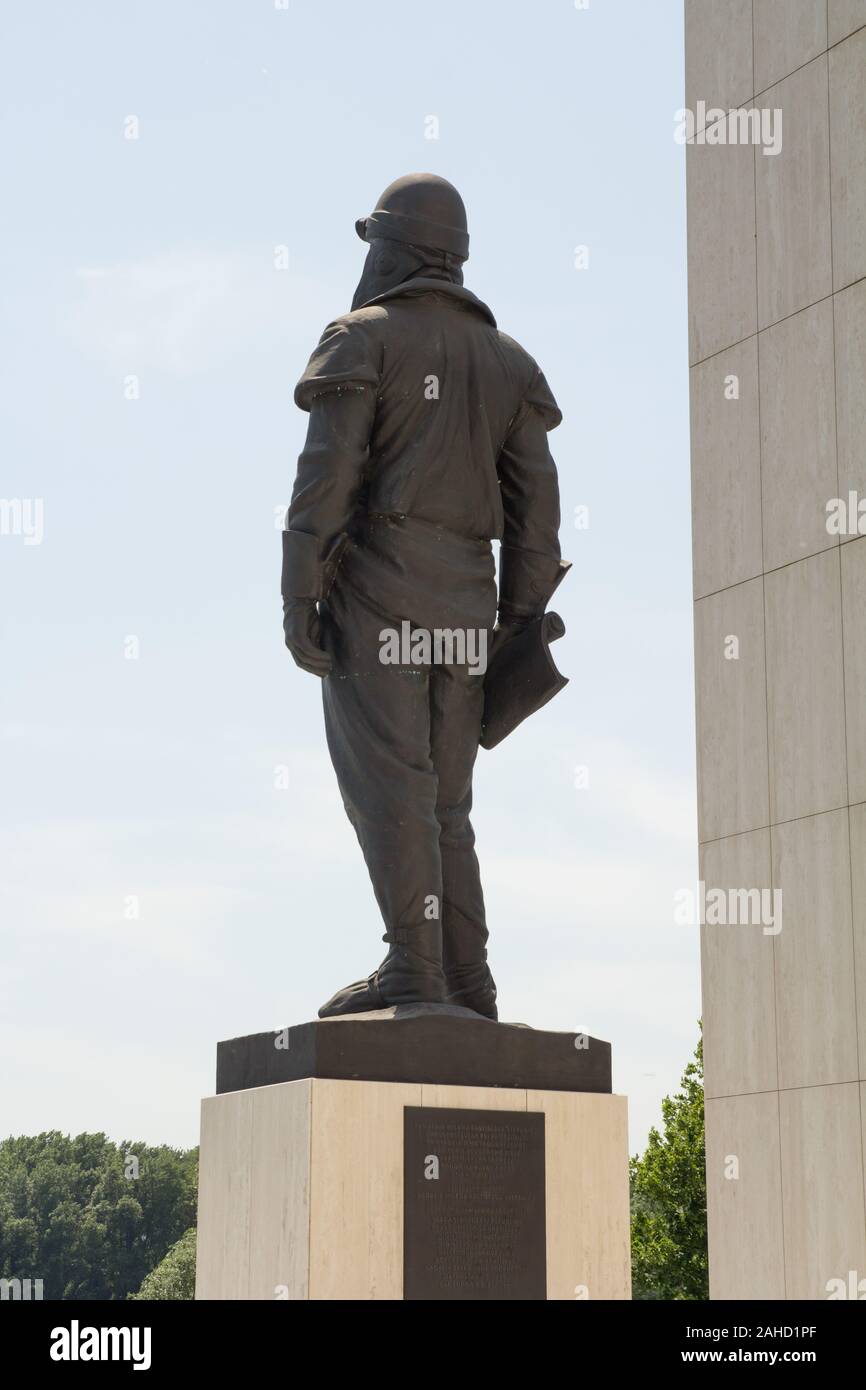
<point>301,1188</point>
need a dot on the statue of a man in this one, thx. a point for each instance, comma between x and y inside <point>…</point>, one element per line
<point>427,440</point>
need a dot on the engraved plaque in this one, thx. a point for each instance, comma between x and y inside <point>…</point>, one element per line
<point>473,1204</point>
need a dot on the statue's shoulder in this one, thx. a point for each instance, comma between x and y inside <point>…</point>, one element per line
<point>352,333</point>
<point>370,316</point>
<point>534,385</point>
<point>513,348</point>
<point>521,362</point>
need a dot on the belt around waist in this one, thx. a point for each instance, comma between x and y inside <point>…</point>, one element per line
<point>410,524</point>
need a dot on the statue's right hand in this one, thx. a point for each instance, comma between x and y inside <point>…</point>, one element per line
<point>503,632</point>
<point>303,636</point>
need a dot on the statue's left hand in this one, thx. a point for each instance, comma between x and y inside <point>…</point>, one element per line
<point>303,636</point>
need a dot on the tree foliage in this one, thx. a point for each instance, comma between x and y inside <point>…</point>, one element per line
<point>669,1198</point>
<point>174,1276</point>
<point>89,1217</point>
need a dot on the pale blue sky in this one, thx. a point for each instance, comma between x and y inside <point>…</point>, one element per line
<point>154,778</point>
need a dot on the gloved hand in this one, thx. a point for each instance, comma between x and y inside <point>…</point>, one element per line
<point>303,636</point>
<point>505,629</point>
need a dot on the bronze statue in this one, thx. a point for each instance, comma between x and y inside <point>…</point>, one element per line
<point>427,440</point>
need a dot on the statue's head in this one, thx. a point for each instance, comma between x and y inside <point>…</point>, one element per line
<point>417,228</point>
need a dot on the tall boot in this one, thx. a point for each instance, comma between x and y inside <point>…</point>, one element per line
<point>467,974</point>
<point>411,973</point>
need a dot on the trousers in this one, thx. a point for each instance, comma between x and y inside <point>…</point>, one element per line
<point>403,737</point>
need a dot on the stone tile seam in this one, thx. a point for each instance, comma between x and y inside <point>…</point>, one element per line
<point>738,342</point>
<point>773,825</point>
<point>777,569</point>
<point>777,81</point>
<point>857,1040</point>
<point>857,1081</point>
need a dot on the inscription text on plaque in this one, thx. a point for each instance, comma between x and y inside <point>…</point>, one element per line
<point>473,1204</point>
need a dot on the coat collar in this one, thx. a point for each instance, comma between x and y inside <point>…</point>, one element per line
<point>423,285</point>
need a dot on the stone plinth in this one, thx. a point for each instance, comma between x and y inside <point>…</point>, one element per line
<point>307,1185</point>
<point>437,1043</point>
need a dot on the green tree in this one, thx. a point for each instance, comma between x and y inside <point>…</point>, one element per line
<point>669,1198</point>
<point>89,1217</point>
<point>174,1276</point>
